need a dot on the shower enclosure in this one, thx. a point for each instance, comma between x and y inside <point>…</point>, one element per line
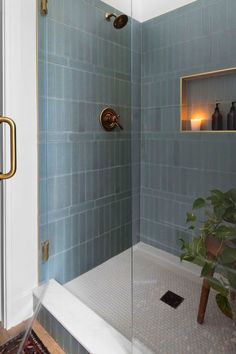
<point>126,147</point>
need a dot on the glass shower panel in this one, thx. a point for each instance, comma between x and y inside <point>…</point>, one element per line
<point>187,184</point>
<point>86,170</point>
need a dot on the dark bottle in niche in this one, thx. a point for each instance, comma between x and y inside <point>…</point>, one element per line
<point>217,119</point>
<point>231,118</point>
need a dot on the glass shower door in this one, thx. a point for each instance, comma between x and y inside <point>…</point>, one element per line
<point>103,191</point>
<point>184,266</point>
<point>85,120</point>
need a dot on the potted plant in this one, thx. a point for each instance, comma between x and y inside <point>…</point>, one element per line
<point>212,222</point>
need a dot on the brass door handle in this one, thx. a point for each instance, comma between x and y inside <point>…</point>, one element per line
<point>12,126</point>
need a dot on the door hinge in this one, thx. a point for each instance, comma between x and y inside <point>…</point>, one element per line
<point>44,7</point>
<point>45,251</point>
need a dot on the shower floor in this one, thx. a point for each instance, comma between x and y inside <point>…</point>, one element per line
<point>156,326</point>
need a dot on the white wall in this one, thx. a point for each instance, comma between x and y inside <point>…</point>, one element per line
<point>143,10</point>
<point>20,103</point>
<point>121,5</point>
<point>152,8</point>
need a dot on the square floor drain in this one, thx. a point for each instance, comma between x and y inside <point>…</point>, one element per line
<point>172,299</point>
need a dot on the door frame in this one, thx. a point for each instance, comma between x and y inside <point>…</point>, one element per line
<point>20,224</point>
<point>1,162</point>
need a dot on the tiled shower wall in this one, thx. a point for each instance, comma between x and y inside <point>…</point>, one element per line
<point>177,167</point>
<point>85,172</point>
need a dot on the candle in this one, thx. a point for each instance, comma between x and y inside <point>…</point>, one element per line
<point>196,124</point>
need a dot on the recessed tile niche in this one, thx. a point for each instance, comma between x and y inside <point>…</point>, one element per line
<point>199,95</point>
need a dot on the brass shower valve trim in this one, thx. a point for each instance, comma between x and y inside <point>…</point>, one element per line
<point>109,120</point>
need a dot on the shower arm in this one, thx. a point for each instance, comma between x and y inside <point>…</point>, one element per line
<point>109,16</point>
<point>117,123</point>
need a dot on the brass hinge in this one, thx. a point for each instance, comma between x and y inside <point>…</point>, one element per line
<point>45,251</point>
<point>44,7</point>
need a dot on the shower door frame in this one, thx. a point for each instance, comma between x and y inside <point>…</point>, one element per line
<point>19,251</point>
<point>1,168</point>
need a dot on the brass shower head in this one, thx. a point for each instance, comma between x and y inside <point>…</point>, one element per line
<point>119,22</point>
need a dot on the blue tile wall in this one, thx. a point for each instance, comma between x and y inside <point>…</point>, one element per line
<point>93,195</point>
<point>62,337</point>
<point>85,172</point>
<point>176,167</point>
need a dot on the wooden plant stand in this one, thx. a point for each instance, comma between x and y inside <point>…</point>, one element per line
<point>214,249</point>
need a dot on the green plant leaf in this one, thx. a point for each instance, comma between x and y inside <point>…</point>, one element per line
<point>191,227</point>
<point>191,217</point>
<point>232,194</point>
<point>231,275</point>
<point>202,250</point>
<point>224,305</point>
<point>228,256</point>
<point>228,202</point>
<point>199,203</point>
<point>187,258</point>
<point>217,193</point>
<point>197,247</point>
<point>217,286</point>
<point>216,197</point>
<point>230,215</point>
<point>219,211</point>
<point>214,200</point>
<point>207,269</point>
<point>225,231</point>
<point>199,261</point>
<point>194,245</point>
<point>182,244</point>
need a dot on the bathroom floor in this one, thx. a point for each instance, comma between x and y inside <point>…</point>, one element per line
<point>157,326</point>
<point>38,341</point>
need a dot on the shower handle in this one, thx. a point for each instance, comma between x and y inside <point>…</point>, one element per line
<point>115,120</point>
<point>119,125</point>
